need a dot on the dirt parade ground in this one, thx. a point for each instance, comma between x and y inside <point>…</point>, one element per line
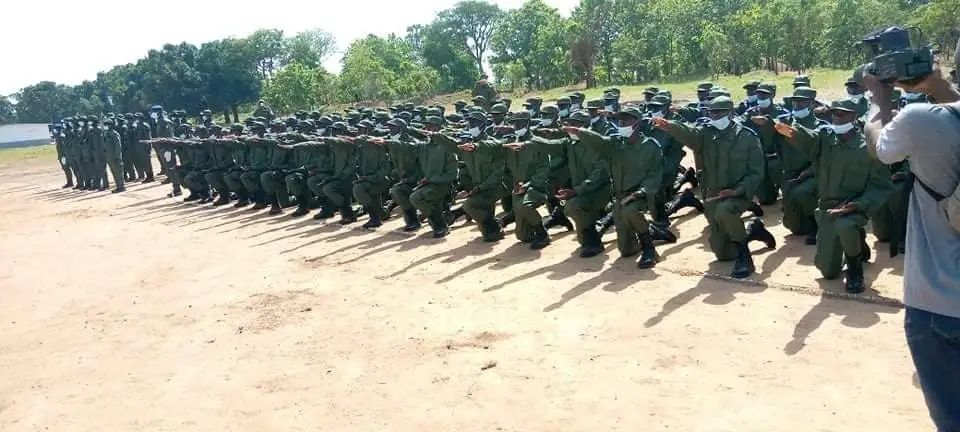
<point>136,312</point>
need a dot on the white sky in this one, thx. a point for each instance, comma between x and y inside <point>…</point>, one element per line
<point>69,41</point>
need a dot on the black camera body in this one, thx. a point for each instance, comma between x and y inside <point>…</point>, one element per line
<point>894,59</point>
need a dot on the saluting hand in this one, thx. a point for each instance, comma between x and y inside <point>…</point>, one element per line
<point>722,195</point>
<point>758,120</point>
<point>571,130</point>
<point>785,129</point>
<point>565,194</point>
<point>467,147</point>
<point>842,210</point>
<point>660,123</point>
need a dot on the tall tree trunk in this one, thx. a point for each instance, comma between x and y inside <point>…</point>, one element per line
<point>236,116</point>
<point>226,116</point>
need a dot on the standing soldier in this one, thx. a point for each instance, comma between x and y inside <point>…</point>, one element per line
<point>732,170</point>
<point>141,148</point>
<point>263,111</point>
<point>125,128</point>
<point>851,185</point>
<point>63,148</point>
<point>99,155</point>
<point>112,151</point>
<point>87,143</point>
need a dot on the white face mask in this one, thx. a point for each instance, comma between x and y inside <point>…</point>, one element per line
<point>321,131</point>
<point>574,107</point>
<point>752,99</point>
<point>563,113</point>
<point>546,122</point>
<point>721,124</point>
<point>395,137</point>
<point>521,132</point>
<point>474,132</point>
<point>417,118</point>
<point>842,129</point>
<point>82,124</point>
<point>801,113</point>
<point>608,108</point>
<point>595,120</point>
<point>289,129</point>
<point>764,103</point>
<point>154,115</point>
<point>625,131</point>
<point>532,112</point>
<point>657,114</point>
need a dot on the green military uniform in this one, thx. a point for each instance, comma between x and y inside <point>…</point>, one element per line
<point>732,160</point>
<point>98,158</point>
<point>221,153</point>
<point>63,149</point>
<point>232,177</point>
<point>141,148</point>
<point>264,111</point>
<point>672,156</point>
<point>769,188</point>
<point>438,164</point>
<point>202,161</point>
<point>338,186</point>
<point>258,163</point>
<point>530,167</point>
<point>636,165</point>
<point>272,179</point>
<point>846,174</point>
<point>127,141</point>
<point>486,165</point>
<point>373,171</point>
<point>403,152</point>
<point>694,110</point>
<point>112,151</point>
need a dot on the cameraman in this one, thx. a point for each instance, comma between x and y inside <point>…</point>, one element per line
<point>928,136</point>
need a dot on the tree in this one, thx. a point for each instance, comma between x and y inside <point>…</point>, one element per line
<point>433,47</point>
<point>383,69</point>
<point>531,36</point>
<point>228,70</point>
<point>309,48</point>
<point>267,46</point>
<point>45,102</point>
<point>471,23</point>
<point>298,87</point>
<point>8,113</point>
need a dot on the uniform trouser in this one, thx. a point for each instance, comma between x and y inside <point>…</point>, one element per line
<point>178,175</point>
<point>100,168</point>
<point>836,236</point>
<point>339,192</point>
<point>233,180</point>
<point>528,218</point>
<point>400,193</point>
<point>274,186</point>
<point>141,158</point>
<point>64,162</point>
<point>799,205</point>
<point>463,177</point>
<point>430,198</point>
<point>166,158</point>
<point>480,206</point>
<point>251,181</point>
<point>115,162</point>
<point>630,221</point>
<point>586,209</point>
<point>296,183</point>
<point>506,194</point>
<point>370,194</point>
<point>725,226</point>
<point>163,164</point>
<point>771,182</point>
<point>217,179</point>
<point>84,164</point>
<point>73,160</point>
<point>884,219</point>
<point>196,181</point>
<point>129,168</point>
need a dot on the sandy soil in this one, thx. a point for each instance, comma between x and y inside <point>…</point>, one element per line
<point>135,312</point>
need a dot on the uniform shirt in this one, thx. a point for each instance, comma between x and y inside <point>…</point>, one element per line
<point>928,136</point>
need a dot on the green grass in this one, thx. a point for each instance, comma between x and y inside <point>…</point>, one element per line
<point>17,155</point>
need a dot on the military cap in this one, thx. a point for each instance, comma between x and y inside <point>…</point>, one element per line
<point>550,110</point>
<point>718,91</point>
<point>353,115</point>
<point>278,123</point>
<point>520,116</point>
<point>533,101</point>
<point>434,111</point>
<point>563,100</point>
<point>498,109</point>
<point>398,122</point>
<point>631,111</point>
<point>720,103</point>
<point>405,115</point>
<point>477,116</point>
<point>801,80</point>
<point>108,122</point>
<point>610,96</point>
<point>258,125</point>
<point>381,115</point>
<point>751,84</point>
<point>804,93</point>
<point>336,117</point>
<point>324,121</point>
<point>260,119</point>
<point>659,100</point>
<point>613,90</point>
<point>366,124</point>
<point>460,102</point>
<point>419,109</point>
<point>479,98</point>
<point>651,90</point>
<point>845,104</point>
<point>852,81</point>
<point>704,86</point>
<point>581,116</point>
<point>290,121</point>
<point>408,106</point>
<point>667,94</point>
<point>577,96</point>
<point>434,120</point>
<point>595,104</point>
<point>156,108</point>
<point>452,118</point>
<point>314,115</point>
<point>340,126</point>
<point>768,88</point>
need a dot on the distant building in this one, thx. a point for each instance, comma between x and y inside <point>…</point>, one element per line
<point>23,135</point>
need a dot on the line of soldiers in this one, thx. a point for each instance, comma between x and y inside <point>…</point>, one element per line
<point>588,166</point>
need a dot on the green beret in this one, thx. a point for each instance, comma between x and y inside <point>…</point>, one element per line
<point>751,84</point>
<point>595,104</point>
<point>720,103</point>
<point>520,116</point>
<point>498,109</point>
<point>630,111</point>
<point>845,104</point>
<point>581,116</point>
<point>804,93</point>
<point>550,110</point>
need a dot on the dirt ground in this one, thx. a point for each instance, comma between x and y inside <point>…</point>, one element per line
<point>135,312</point>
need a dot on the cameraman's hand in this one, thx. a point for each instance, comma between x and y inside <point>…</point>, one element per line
<point>881,91</point>
<point>934,86</point>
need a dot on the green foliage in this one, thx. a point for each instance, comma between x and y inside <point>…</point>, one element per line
<point>299,87</point>
<point>309,48</point>
<point>471,24</point>
<point>45,102</point>
<point>383,69</point>
<point>8,113</point>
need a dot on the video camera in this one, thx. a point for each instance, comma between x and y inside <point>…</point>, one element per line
<point>893,57</point>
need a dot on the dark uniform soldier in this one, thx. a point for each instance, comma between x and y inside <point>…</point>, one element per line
<point>485,161</point>
<point>373,175</point>
<point>112,151</point>
<point>751,101</point>
<point>732,170</point>
<point>851,185</point>
<point>530,165</point>
<point>63,143</point>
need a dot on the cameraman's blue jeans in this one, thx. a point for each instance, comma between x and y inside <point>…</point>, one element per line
<point>934,342</point>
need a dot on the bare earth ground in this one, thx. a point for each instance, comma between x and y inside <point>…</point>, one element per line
<point>135,312</point>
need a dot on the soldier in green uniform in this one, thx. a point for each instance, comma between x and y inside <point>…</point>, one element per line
<point>127,142</point>
<point>851,185</point>
<point>694,110</point>
<point>635,163</point>
<point>751,88</point>
<point>530,165</point>
<point>63,148</point>
<point>406,168</point>
<point>484,159</point>
<point>856,93</point>
<point>532,106</point>
<point>221,152</point>
<point>112,150</point>
<point>563,108</point>
<point>659,107</point>
<point>263,110</point>
<point>589,192</point>
<point>759,118</point>
<point>278,163</point>
<point>338,186</point>
<point>141,147</point>
<point>732,171</point>
<point>200,161</point>
<point>438,165</point>
<point>796,172</point>
<point>302,160</point>
<point>99,155</point>
<point>257,146</point>
<point>373,175</point>
<point>322,169</point>
<point>240,153</point>
<point>484,89</point>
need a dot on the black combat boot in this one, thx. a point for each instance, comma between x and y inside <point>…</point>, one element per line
<point>811,238</point>
<point>176,191</point>
<point>347,215</point>
<point>389,210</point>
<point>439,225</point>
<point>119,189</point>
<point>411,220</point>
<point>557,218</point>
<point>275,208</point>
<point>605,223</point>
<point>506,218</point>
<point>743,265</point>
<point>68,185</point>
<point>375,219</point>
<point>243,199</point>
<point>648,254</point>
<point>756,231</point>
<point>688,176</point>
<point>192,196</point>
<point>541,238</point>
<point>854,280</point>
<point>592,245</point>
<point>326,212</point>
<point>492,231</point>
<point>205,197</point>
<point>223,199</point>
<point>303,206</point>
<point>659,233</point>
<point>865,253</point>
<point>686,199</point>
<point>755,209</point>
